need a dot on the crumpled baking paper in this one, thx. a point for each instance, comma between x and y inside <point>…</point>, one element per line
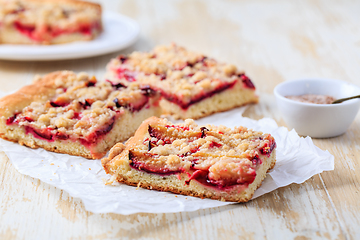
<point>298,159</point>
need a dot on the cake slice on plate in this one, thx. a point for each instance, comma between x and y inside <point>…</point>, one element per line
<point>48,22</point>
<point>201,161</point>
<point>192,85</point>
<point>75,114</point>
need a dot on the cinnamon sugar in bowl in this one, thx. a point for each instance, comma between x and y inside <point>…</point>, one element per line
<point>304,106</point>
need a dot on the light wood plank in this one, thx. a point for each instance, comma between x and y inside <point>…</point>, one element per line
<point>272,42</point>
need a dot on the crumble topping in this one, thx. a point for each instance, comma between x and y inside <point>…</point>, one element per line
<point>42,20</point>
<point>226,156</point>
<point>80,107</point>
<point>177,73</point>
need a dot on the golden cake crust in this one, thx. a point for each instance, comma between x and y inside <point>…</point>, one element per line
<point>118,165</point>
<point>130,144</point>
<point>42,88</point>
<point>74,114</point>
<point>192,85</point>
<point>78,3</point>
<point>48,22</point>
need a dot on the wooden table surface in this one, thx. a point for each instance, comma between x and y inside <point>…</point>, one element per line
<point>273,42</point>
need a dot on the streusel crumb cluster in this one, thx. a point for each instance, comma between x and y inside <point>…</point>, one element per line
<point>173,70</point>
<point>48,22</point>
<point>81,106</point>
<point>227,156</point>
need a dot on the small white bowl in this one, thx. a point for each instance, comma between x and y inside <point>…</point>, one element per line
<point>317,120</point>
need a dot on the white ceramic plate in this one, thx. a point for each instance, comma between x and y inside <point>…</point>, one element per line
<point>119,33</point>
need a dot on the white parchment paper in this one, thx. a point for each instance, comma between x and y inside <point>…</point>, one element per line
<point>298,159</point>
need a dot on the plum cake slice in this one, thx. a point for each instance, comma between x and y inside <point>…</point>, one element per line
<point>203,161</point>
<point>75,114</point>
<point>48,22</point>
<point>192,85</point>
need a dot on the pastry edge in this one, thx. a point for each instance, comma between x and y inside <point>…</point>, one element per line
<point>118,155</point>
<point>220,102</point>
<point>194,187</point>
